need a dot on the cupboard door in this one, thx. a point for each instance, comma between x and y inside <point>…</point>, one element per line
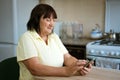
<point>77,51</point>
<point>112,16</point>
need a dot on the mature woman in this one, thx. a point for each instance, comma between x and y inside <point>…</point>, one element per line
<point>40,52</point>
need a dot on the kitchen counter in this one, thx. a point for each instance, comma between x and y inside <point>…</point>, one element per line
<point>82,41</point>
<point>77,47</point>
<point>95,74</point>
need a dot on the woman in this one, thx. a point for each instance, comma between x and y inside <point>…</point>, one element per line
<point>40,52</point>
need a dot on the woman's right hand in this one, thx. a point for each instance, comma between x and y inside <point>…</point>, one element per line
<point>75,67</point>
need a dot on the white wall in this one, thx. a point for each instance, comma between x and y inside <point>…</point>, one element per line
<point>112,15</point>
<point>86,12</point>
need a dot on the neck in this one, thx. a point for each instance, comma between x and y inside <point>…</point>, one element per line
<point>44,37</point>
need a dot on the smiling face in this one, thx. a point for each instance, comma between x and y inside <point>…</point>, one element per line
<point>46,25</point>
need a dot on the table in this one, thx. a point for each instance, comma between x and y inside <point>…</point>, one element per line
<point>95,74</point>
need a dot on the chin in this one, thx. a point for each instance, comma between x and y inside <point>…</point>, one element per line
<point>51,31</point>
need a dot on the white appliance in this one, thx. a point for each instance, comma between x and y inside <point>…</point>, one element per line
<point>107,53</point>
<point>14,15</point>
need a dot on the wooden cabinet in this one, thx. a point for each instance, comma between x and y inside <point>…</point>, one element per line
<point>78,51</point>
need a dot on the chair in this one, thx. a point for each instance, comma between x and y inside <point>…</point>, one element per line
<point>9,69</point>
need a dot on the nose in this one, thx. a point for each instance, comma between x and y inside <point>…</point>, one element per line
<point>52,23</point>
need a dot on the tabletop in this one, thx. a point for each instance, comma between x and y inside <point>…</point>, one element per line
<point>95,74</point>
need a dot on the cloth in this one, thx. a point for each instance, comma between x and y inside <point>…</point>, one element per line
<point>32,45</point>
<point>108,63</point>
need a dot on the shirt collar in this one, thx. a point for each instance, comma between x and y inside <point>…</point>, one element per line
<point>36,35</point>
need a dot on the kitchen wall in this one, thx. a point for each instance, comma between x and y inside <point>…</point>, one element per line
<point>86,12</point>
<point>112,20</point>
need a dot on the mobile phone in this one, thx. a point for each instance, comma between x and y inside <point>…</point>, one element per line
<point>86,65</point>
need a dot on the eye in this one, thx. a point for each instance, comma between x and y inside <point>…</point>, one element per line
<point>54,20</point>
<point>48,19</point>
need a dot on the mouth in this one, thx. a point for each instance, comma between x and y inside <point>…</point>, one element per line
<point>50,28</point>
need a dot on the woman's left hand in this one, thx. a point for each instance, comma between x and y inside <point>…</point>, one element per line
<point>85,70</point>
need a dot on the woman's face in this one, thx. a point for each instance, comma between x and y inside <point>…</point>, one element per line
<point>46,25</point>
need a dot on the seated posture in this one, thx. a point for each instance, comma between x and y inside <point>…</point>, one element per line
<point>40,51</point>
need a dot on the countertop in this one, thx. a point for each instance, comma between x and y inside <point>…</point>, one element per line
<point>82,41</point>
<point>95,74</point>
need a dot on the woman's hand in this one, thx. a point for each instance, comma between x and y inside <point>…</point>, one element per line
<point>85,70</point>
<point>75,67</point>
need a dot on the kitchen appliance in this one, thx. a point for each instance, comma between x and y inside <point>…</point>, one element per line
<point>107,53</point>
<point>117,36</point>
<point>96,32</point>
<point>112,36</point>
<point>14,15</point>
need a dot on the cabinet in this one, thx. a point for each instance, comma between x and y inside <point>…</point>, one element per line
<point>78,51</point>
<point>77,48</point>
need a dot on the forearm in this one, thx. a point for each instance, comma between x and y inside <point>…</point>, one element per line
<point>69,60</point>
<point>38,69</point>
<point>43,70</point>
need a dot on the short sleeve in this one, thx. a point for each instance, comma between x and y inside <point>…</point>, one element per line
<point>26,47</point>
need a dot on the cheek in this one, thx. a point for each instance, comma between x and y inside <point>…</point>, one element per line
<point>42,24</point>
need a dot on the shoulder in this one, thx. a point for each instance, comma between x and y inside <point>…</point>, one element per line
<point>28,35</point>
<point>54,35</point>
<point>25,35</point>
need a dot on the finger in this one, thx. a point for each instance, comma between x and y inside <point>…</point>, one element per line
<point>81,62</point>
<point>89,66</point>
<point>86,69</point>
<point>82,72</point>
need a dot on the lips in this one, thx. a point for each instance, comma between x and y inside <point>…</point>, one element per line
<point>50,28</point>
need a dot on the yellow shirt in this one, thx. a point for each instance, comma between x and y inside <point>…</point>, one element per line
<point>32,45</point>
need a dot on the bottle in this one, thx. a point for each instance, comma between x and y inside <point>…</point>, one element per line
<point>112,35</point>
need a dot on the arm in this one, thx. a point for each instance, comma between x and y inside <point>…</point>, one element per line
<point>38,69</point>
<point>69,60</point>
<point>72,67</point>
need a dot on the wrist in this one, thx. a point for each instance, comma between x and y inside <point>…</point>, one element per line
<point>67,72</point>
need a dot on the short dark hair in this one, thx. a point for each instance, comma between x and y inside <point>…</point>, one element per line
<point>38,11</point>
